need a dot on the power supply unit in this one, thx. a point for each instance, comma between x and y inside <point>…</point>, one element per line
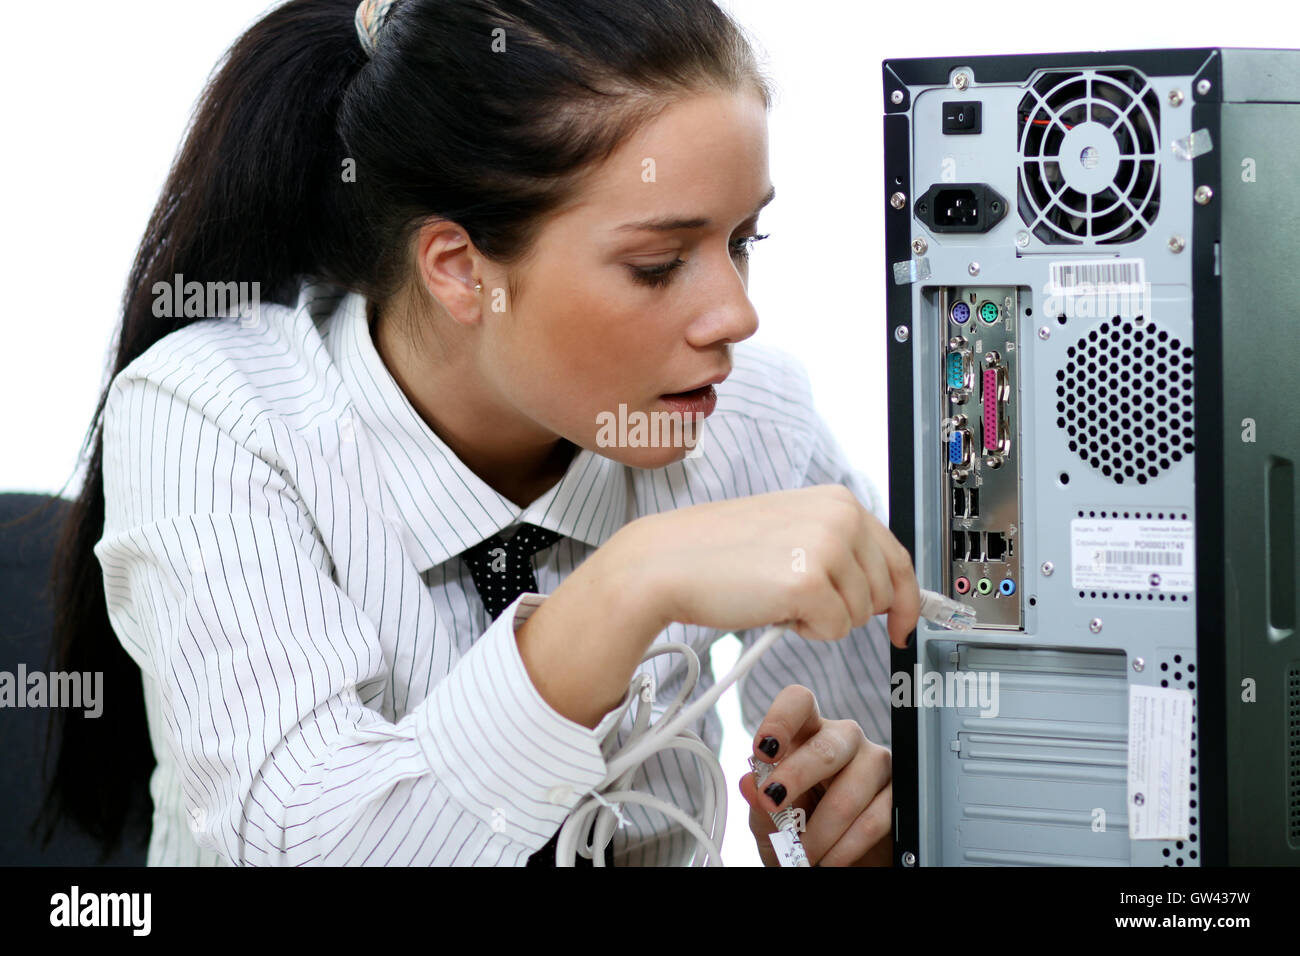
<point>1093,273</point>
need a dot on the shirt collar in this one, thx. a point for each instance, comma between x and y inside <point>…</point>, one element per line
<point>443,506</point>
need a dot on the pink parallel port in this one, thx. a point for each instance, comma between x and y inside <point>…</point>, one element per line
<point>990,409</point>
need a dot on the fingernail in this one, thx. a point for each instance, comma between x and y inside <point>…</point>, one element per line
<point>777,792</point>
<point>769,746</point>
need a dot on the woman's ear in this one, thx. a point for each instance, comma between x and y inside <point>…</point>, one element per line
<point>448,264</point>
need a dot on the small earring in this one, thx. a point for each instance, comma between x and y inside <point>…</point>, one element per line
<point>478,287</point>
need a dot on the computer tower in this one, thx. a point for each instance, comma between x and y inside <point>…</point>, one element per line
<point>1093,350</point>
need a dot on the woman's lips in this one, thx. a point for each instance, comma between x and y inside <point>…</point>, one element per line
<point>699,401</point>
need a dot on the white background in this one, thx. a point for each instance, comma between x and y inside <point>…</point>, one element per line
<point>97,98</point>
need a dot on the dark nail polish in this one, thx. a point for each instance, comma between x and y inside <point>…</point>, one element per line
<point>777,792</point>
<point>769,746</point>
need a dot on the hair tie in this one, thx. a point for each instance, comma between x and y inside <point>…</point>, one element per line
<point>370,18</point>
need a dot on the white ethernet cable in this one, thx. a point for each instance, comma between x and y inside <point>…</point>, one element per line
<point>672,731</point>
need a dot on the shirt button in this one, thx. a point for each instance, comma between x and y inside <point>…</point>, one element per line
<point>560,793</point>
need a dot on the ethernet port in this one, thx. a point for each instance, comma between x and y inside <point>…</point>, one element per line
<point>959,502</point>
<point>997,546</point>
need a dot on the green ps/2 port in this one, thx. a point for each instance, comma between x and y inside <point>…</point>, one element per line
<point>988,312</point>
<point>984,586</point>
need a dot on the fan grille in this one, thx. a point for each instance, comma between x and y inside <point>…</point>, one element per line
<point>1089,156</point>
<point>1124,399</point>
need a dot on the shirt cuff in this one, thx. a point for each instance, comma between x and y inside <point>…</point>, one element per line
<point>502,751</point>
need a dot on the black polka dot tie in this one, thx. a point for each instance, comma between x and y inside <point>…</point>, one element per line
<point>503,570</point>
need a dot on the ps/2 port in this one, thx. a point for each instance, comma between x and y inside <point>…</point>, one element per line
<point>960,312</point>
<point>988,312</point>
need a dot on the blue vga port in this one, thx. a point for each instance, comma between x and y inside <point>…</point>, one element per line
<point>958,447</point>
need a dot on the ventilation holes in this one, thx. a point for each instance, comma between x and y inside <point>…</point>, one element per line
<point>1089,156</point>
<point>1293,751</point>
<point>1126,400</point>
<point>1178,670</point>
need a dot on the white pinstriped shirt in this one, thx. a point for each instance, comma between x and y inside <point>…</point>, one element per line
<point>322,684</point>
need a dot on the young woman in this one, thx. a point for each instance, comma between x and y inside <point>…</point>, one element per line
<point>479,234</point>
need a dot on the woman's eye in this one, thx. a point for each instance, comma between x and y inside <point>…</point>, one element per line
<point>742,246</point>
<point>660,275</point>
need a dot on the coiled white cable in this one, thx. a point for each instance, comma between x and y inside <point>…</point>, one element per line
<point>672,731</point>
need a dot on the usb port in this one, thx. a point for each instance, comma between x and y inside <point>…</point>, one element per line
<point>959,503</point>
<point>976,540</point>
<point>959,545</point>
<point>972,502</point>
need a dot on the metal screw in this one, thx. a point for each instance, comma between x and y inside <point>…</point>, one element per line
<point>1203,195</point>
<point>1138,663</point>
<point>1095,625</point>
<point>1047,569</point>
<point>1177,243</point>
<point>1140,320</point>
<point>1044,333</point>
<point>896,97</point>
<point>901,333</point>
<point>961,80</point>
<point>973,268</point>
<point>919,246</point>
<point>1175,97</point>
<point>1202,86</point>
<point>1022,239</point>
<point>909,858</point>
<point>898,200</point>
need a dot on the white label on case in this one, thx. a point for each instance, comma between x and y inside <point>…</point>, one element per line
<point>1133,554</point>
<point>1159,762</point>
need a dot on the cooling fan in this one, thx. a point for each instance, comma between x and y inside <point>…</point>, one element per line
<point>1089,156</point>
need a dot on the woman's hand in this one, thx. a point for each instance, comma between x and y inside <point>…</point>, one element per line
<point>841,779</point>
<point>813,557</point>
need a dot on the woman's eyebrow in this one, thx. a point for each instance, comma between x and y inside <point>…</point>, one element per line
<point>672,223</point>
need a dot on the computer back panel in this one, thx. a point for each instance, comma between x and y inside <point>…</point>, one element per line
<point>1056,232</point>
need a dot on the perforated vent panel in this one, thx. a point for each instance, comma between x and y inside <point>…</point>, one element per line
<point>1089,145</point>
<point>1293,751</point>
<point>1124,399</point>
<point>1180,672</point>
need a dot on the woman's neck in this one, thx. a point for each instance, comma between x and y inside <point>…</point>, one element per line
<point>513,463</point>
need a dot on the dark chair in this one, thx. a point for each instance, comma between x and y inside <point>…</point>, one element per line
<point>26,619</point>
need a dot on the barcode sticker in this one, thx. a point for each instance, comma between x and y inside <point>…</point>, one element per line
<point>1159,762</point>
<point>1133,554</point>
<point>1104,275</point>
<point>1096,288</point>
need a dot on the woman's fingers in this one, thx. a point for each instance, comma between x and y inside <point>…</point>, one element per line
<point>792,718</point>
<point>905,592</point>
<point>865,842</point>
<point>838,825</point>
<point>817,759</point>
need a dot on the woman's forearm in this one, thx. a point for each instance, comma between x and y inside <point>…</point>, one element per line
<point>582,646</point>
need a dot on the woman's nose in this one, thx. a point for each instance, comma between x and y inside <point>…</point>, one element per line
<point>728,315</point>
